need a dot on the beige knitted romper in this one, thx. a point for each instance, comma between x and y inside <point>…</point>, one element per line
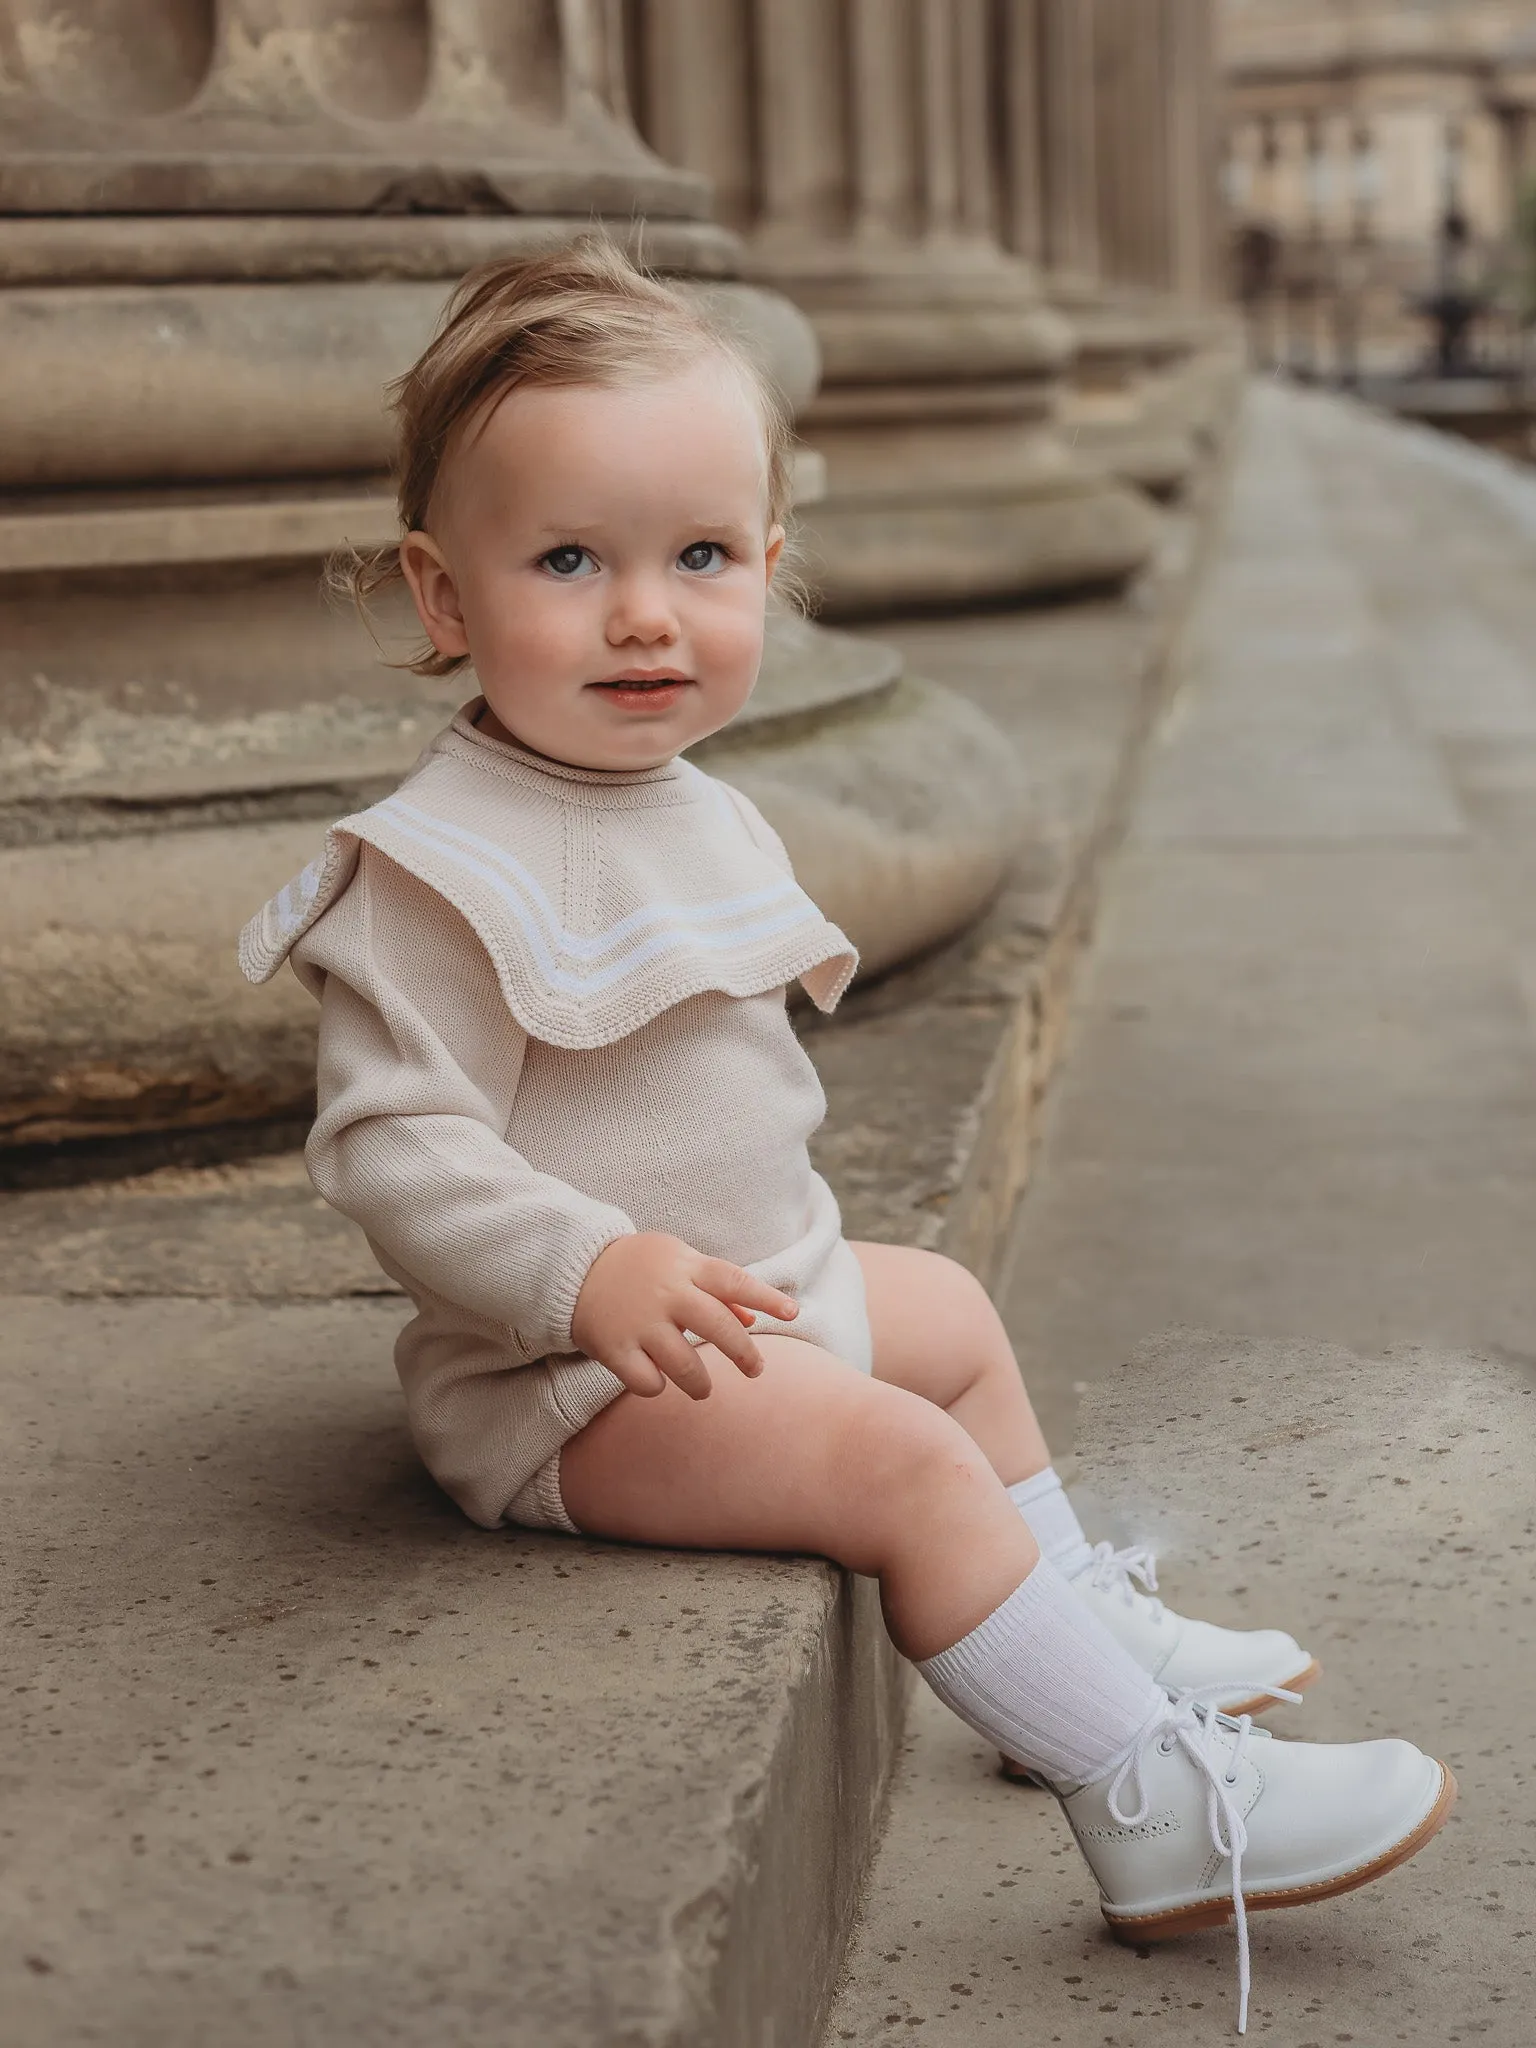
<point>552,1013</point>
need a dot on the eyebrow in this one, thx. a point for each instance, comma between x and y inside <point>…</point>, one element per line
<point>573,529</point>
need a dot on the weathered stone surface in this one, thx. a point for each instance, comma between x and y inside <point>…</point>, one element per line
<point>278,248</point>
<point>901,820</point>
<point>919,548</point>
<point>112,386</point>
<point>299,1753</point>
<point>315,110</point>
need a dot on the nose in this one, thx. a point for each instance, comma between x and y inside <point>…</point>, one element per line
<point>641,610</point>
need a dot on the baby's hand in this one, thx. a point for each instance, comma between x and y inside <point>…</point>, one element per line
<point>643,1292</point>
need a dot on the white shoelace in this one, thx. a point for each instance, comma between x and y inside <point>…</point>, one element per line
<point>1192,1728</point>
<point>1114,1569</point>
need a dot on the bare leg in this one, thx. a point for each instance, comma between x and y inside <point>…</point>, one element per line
<point>813,1456</point>
<point>937,1334</point>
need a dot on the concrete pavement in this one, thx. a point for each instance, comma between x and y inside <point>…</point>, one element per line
<point>1301,1099</point>
<point>1299,1104</point>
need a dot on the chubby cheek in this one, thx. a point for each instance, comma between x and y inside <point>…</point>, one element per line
<point>728,648</point>
<point>517,627</point>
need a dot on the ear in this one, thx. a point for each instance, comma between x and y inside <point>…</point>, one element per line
<point>434,592</point>
<point>773,549</point>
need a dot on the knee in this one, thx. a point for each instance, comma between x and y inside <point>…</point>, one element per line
<point>970,1320</point>
<point>894,1444</point>
<point>946,1287</point>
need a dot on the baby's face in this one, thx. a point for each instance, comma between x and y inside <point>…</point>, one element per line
<point>603,556</point>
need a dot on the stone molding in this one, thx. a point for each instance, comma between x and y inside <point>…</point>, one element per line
<point>333,106</point>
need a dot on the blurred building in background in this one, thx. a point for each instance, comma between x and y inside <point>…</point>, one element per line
<point>1380,159</point>
<point>977,240</point>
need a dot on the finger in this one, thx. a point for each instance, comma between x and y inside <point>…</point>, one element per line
<point>639,1374</point>
<point>670,1350</point>
<point>733,1285</point>
<point>707,1318</point>
<point>745,1316</point>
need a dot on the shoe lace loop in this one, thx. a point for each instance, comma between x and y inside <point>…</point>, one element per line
<point>1113,1570</point>
<point>1191,1725</point>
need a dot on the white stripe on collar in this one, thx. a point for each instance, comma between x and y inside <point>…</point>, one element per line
<point>547,938</point>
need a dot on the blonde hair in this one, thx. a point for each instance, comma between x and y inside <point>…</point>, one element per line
<point>581,315</point>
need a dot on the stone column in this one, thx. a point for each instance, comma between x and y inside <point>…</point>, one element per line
<point>1194,151</point>
<point>223,228</point>
<point>1122,112</point>
<point>852,144</point>
<point>1069,125</point>
<point>1133,76</point>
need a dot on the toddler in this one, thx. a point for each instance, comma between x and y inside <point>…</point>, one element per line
<point>559,1090</point>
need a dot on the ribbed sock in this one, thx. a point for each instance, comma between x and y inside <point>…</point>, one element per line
<point>1044,1681</point>
<point>1053,1523</point>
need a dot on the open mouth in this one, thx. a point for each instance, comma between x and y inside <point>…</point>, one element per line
<point>639,691</point>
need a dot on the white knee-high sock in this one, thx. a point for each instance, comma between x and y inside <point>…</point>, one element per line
<point>1053,1523</point>
<point>1045,1681</point>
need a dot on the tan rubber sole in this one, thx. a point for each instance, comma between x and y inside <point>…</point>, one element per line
<point>1021,1774</point>
<point>1219,1912</point>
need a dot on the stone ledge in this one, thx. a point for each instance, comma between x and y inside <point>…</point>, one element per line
<point>345,1767</point>
<point>326,1762</point>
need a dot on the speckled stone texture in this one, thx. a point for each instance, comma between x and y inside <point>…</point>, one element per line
<point>295,1754</point>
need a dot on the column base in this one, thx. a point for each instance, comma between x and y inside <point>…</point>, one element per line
<point>136,841</point>
<point>1152,385</point>
<point>949,478</point>
<point>1078,531</point>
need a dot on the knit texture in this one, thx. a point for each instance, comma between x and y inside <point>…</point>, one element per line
<point>602,898</point>
<point>1052,1519</point>
<point>1045,1682</point>
<point>489,1167</point>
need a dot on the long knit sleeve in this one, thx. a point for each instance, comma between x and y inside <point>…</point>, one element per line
<point>418,1070</point>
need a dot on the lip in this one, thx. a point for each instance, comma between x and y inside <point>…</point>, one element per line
<point>642,675</point>
<point>643,692</point>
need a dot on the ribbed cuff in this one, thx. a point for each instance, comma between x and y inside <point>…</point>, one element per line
<point>568,1275</point>
<point>1047,1509</point>
<point>1044,1681</point>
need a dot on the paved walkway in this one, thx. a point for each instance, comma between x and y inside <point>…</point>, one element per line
<point>1300,1105</point>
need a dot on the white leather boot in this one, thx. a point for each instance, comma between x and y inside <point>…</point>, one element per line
<point>1209,1816</point>
<point>1242,1670</point>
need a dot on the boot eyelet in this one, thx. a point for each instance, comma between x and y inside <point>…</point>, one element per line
<point>1168,1745</point>
<point>1229,1777</point>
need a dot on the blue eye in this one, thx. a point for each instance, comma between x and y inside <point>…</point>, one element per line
<point>701,555</point>
<point>568,563</point>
